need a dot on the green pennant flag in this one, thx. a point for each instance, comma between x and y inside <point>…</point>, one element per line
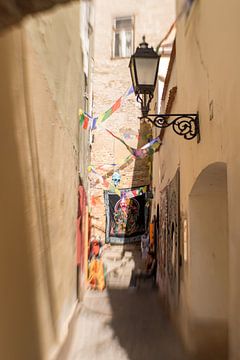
<point>81,118</point>
<point>107,114</point>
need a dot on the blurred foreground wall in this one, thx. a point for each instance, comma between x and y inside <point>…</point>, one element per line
<point>40,94</point>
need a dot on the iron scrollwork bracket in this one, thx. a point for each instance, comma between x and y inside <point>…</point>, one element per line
<point>186,125</point>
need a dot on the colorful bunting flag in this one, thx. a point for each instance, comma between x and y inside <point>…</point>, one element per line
<point>112,188</point>
<point>117,105</point>
<point>130,149</point>
<point>85,122</point>
<point>81,117</point>
<point>144,151</point>
<point>94,124</point>
<point>85,118</point>
<point>130,91</point>
<point>107,114</point>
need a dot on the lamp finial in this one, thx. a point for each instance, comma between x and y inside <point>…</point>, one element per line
<point>143,43</point>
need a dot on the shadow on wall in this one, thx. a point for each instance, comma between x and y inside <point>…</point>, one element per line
<point>19,335</point>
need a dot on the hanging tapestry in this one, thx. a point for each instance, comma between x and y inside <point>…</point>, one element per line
<point>173,250</point>
<point>126,217</point>
<point>163,224</point>
<point>168,242</point>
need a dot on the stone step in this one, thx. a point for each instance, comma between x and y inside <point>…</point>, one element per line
<point>120,260</point>
<point>120,269</point>
<point>114,256</point>
<point>119,275</point>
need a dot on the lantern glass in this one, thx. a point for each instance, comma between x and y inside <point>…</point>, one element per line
<point>133,74</point>
<point>146,70</point>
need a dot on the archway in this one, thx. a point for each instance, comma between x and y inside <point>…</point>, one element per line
<point>208,295</point>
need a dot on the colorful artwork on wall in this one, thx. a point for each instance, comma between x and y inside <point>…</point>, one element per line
<point>126,216</point>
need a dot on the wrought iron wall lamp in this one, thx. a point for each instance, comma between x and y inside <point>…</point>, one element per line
<point>143,66</point>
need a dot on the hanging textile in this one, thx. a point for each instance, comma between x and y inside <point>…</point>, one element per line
<point>126,216</point>
<point>96,278</point>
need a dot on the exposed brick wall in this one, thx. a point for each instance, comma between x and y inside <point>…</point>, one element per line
<point>111,78</point>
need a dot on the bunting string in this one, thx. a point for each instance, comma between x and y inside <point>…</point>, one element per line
<point>86,120</point>
<point>146,150</point>
<point>102,178</point>
<point>149,148</point>
<point>95,200</point>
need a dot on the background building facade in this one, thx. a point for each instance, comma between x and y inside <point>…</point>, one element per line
<point>119,27</point>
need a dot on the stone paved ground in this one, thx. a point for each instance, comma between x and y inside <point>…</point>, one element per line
<point>122,324</point>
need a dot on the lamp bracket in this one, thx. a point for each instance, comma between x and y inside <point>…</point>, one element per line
<point>186,125</point>
<point>145,99</point>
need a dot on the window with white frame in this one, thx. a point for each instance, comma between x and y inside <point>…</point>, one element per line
<point>123,37</point>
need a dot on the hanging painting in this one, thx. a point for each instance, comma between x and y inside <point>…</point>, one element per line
<point>126,216</point>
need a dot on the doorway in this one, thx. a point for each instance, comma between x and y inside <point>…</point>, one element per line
<point>209,262</point>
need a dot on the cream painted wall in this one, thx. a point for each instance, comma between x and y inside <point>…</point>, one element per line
<point>207,72</point>
<point>18,293</point>
<point>41,91</point>
<point>208,256</point>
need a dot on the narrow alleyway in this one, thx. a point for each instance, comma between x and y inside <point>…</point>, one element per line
<point>122,324</point>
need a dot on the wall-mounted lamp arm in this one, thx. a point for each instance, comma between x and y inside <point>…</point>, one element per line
<point>186,125</point>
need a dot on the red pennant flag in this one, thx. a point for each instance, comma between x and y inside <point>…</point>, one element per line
<point>85,122</point>
<point>93,200</point>
<point>117,104</point>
